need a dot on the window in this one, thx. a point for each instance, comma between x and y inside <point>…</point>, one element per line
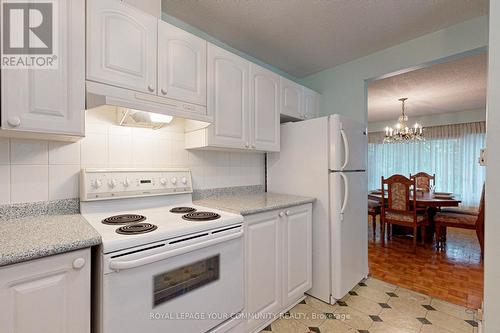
<point>450,152</point>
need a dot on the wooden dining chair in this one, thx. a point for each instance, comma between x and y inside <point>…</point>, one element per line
<point>464,220</point>
<point>373,211</point>
<point>400,207</point>
<point>423,180</point>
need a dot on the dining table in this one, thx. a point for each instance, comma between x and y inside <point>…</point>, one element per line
<point>432,202</point>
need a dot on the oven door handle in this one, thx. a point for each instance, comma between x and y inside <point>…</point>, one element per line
<point>122,265</point>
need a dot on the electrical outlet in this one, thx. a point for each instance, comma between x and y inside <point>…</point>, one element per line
<point>482,157</point>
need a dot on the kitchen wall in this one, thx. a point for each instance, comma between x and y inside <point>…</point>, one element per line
<point>343,87</point>
<point>38,170</point>
<point>459,117</point>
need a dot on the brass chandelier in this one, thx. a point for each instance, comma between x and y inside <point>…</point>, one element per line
<point>401,132</point>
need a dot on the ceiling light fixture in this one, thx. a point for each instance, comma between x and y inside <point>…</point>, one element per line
<point>401,132</point>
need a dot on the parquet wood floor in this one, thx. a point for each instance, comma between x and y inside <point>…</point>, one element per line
<point>454,275</point>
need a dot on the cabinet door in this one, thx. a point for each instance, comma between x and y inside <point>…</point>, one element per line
<point>297,252</point>
<point>264,109</point>
<point>263,268</point>
<point>182,65</point>
<point>227,83</point>
<point>51,100</point>
<point>311,103</point>
<point>291,99</point>
<point>121,45</point>
<point>51,294</point>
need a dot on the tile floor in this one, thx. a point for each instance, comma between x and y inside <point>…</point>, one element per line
<point>375,306</point>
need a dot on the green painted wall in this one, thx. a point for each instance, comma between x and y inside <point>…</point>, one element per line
<point>197,32</point>
<point>344,86</point>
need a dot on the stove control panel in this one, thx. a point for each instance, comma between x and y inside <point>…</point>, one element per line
<point>103,184</point>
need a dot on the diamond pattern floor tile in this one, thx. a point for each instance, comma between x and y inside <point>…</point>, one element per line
<point>410,312</point>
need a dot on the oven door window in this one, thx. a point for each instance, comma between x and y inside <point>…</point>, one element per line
<point>179,281</point>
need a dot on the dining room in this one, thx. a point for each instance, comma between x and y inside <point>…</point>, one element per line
<point>426,132</point>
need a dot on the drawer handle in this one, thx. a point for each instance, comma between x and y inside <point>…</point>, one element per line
<point>164,91</point>
<point>151,88</point>
<point>287,213</point>
<point>281,214</point>
<point>122,265</point>
<point>14,121</point>
<point>78,263</point>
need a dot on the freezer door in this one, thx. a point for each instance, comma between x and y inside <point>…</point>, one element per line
<point>349,231</point>
<point>348,144</point>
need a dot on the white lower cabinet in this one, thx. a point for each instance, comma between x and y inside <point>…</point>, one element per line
<point>50,294</point>
<point>278,256</point>
<point>297,260</point>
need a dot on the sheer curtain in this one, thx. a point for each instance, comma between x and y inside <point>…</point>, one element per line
<point>451,152</point>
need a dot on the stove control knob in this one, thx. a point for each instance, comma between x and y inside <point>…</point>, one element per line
<point>173,180</point>
<point>126,182</point>
<point>184,180</point>
<point>163,181</point>
<point>112,183</point>
<point>96,183</point>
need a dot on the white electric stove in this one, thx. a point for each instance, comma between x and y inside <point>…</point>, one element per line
<point>164,263</point>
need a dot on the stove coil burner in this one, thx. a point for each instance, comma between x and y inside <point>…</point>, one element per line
<point>136,228</point>
<point>182,210</point>
<point>123,219</point>
<point>201,216</point>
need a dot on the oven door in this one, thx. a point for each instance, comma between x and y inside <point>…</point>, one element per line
<point>175,287</point>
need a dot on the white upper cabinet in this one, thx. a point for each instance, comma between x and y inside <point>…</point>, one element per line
<point>227,98</point>
<point>264,109</point>
<point>50,103</point>
<point>243,99</point>
<point>311,103</point>
<point>182,65</point>
<point>291,99</point>
<point>121,45</point>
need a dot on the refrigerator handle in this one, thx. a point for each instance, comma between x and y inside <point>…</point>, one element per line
<point>346,148</point>
<point>346,194</point>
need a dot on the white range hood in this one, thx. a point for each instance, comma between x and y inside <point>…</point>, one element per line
<point>98,94</point>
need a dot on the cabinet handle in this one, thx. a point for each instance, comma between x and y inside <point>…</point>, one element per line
<point>164,91</point>
<point>253,146</point>
<point>287,213</point>
<point>151,88</point>
<point>78,263</point>
<point>14,121</point>
<point>281,214</point>
<point>247,145</point>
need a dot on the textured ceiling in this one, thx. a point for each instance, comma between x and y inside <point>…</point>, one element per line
<point>303,37</point>
<point>453,86</point>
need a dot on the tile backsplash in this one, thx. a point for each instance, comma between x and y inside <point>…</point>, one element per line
<point>38,170</point>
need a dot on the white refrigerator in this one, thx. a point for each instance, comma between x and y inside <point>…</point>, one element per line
<point>326,158</point>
